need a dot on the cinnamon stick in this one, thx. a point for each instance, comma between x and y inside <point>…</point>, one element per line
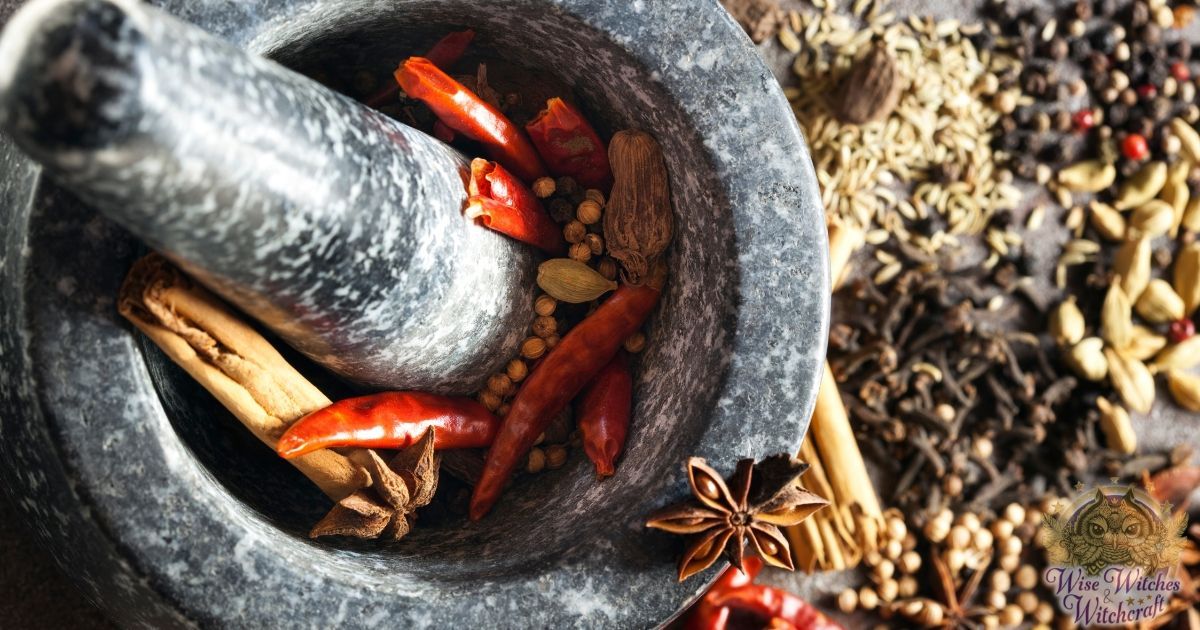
<point>841,536</point>
<point>233,362</point>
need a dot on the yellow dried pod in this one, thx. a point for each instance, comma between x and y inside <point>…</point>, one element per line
<point>1116,316</point>
<point>1132,263</point>
<point>1189,140</point>
<point>1191,215</point>
<point>571,281</point>
<point>1153,218</point>
<point>1109,223</point>
<point>1132,380</point>
<point>1177,195</point>
<point>1143,344</point>
<point>1086,359</point>
<point>1143,186</point>
<point>1088,176</point>
<point>1185,389</point>
<point>1067,324</point>
<point>1181,356</point>
<point>1116,426</point>
<point>1187,277</point>
<point>1178,171</point>
<point>1159,304</point>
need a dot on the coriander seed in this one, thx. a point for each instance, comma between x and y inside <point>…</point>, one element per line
<point>545,305</point>
<point>1001,581</point>
<point>607,268</point>
<point>489,399</point>
<point>536,461</point>
<point>635,343</point>
<point>588,212</point>
<point>544,326</point>
<point>552,341</point>
<point>847,600</point>
<point>516,370</point>
<point>595,243</point>
<point>533,348</point>
<point>888,590</point>
<point>556,456</point>
<point>594,195</point>
<point>1011,615</point>
<point>868,599</point>
<point>1014,513</point>
<point>1027,601</point>
<point>500,384</point>
<point>574,232</point>
<point>908,586</point>
<point>503,410</point>
<point>1026,577</point>
<point>543,187</point>
<point>580,252</point>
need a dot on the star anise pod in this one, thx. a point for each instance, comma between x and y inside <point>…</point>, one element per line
<point>387,507</point>
<point>755,502</point>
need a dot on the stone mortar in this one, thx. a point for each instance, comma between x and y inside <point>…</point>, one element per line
<point>114,459</point>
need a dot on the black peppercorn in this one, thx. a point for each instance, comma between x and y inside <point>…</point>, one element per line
<point>1059,153</point>
<point>1105,40</point>
<point>1151,33</point>
<point>1098,63</point>
<point>1008,124</point>
<point>1058,48</point>
<point>1181,49</point>
<point>1026,167</point>
<point>1008,142</point>
<point>1032,143</point>
<point>1145,127</point>
<point>1080,49</point>
<point>1024,115</point>
<point>1139,14</point>
<point>1117,114</point>
<point>1083,9</point>
<point>983,40</point>
<point>1128,167</point>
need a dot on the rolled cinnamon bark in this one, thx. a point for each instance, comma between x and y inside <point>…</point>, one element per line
<point>840,536</point>
<point>233,362</point>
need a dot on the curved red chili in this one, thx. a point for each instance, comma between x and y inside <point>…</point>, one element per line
<point>532,228</point>
<point>444,54</point>
<point>704,615</point>
<point>774,603</point>
<point>570,146</point>
<point>563,373</point>
<point>603,415</point>
<point>391,420</point>
<point>463,111</point>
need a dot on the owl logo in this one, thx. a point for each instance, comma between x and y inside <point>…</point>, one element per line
<point>1125,529</point>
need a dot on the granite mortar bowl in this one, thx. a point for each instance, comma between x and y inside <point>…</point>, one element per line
<point>169,514</point>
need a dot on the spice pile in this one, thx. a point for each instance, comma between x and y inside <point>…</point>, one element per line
<point>976,396</point>
<point>905,142</point>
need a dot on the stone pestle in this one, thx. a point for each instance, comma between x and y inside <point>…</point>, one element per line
<point>336,227</point>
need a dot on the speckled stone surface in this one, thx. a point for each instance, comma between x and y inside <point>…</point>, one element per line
<point>108,449</point>
<point>338,228</point>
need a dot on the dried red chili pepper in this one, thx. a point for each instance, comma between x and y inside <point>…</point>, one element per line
<point>775,604</point>
<point>603,413</point>
<point>563,373</point>
<point>570,146</point>
<point>391,420</point>
<point>530,227</point>
<point>444,54</point>
<point>705,615</point>
<point>503,203</point>
<point>463,111</point>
